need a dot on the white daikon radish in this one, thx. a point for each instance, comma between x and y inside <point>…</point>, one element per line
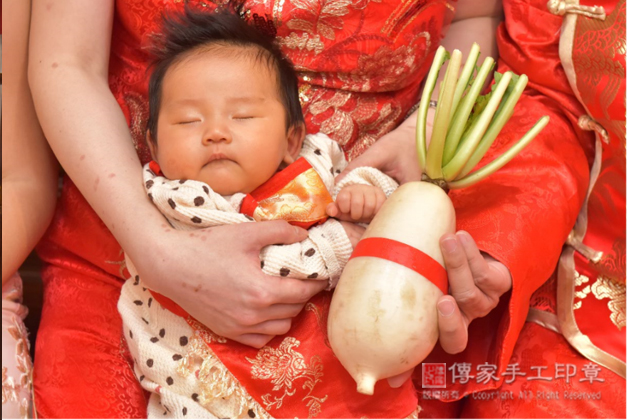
<point>383,318</point>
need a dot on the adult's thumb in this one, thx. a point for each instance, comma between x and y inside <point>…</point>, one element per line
<point>275,232</point>
<point>367,159</point>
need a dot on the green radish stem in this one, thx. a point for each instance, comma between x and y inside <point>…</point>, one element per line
<point>469,68</point>
<point>421,122</point>
<point>502,115</point>
<point>443,116</point>
<point>502,160</point>
<point>458,123</point>
<point>472,139</point>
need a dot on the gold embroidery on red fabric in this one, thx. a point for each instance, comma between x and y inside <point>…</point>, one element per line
<point>326,15</point>
<point>219,389</point>
<point>283,366</point>
<point>598,43</point>
<point>612,264</point>
<point>580,279</point>
<point>302,42</point>
<point>605,288</point>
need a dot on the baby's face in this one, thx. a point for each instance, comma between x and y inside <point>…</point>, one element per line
<point>221,122</point>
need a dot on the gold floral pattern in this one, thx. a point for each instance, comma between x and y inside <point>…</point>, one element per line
<point>605,288</point>
<point>304,199</point>
<point>580,279</point>
<point>283,366</point>
<point>216,383</point>
<point>322,17</point>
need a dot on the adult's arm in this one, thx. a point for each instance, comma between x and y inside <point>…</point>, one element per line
<point>215,276</point>
<point>29,169</point>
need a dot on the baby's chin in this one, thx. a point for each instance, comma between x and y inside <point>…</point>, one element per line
<point>230,189</point>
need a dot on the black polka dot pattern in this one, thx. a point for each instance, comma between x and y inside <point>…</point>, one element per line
<point>150,362</point>
<point>195,397</point>
<point>313,276</point>
<point>171,203</point>
<point>251,414</point>
<point>138,302</point>
<point>183,341</point>
<point>318,152</point>
<point>149,302</point>
<point>184,411</point>
<point>310,252</point>
<point>262,264</point>
<point>205,189</point>
<point>199,201</point>
<point>196,219</point>
<point>169,381</point>
<point>176,357</point>
<point>284,272</point>
<point>182,181</point>
<point>130,334</point>
<point>162,332</point>
<point>136,282</point>
<point>154,340</point>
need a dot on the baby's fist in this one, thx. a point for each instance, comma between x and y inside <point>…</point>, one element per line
<point>357,203</point>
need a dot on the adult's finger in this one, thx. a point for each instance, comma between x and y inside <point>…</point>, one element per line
<point>271,327</point>
<point>398,380</point>
<point>452,325</point>
<point>372,157</point>
<point>295,291</point>
<point>274,232</point>
<point>469,297</point>
<point>254,340</point>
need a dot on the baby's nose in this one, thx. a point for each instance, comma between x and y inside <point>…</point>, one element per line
<point>215,133</point>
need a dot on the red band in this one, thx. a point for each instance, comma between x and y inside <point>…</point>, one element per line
<point>405,255</point>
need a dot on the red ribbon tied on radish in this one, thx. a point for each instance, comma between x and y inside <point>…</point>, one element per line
<point>405,255</point>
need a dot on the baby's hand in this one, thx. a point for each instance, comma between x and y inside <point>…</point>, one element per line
<point>357,203</point>
<point>354,232</point>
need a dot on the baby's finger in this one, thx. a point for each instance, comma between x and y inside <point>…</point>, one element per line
<point>380,200</point>
<point>332,210</point>
<point>370,205</point>
<point>343,201</point>
<point>357,205</point>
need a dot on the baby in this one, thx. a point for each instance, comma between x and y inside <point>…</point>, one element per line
<point>227,136</point>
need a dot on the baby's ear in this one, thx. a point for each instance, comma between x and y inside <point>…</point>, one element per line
<point>295,137</point>
<point>151,145</point>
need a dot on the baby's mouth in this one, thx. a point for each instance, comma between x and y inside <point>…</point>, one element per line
<point>218,157</point>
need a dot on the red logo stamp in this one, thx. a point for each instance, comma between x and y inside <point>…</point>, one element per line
<point>434,375</point>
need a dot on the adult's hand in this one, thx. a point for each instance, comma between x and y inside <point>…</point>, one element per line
<point>215,275</point>
<point>476,283</point>
<point>394,153</point>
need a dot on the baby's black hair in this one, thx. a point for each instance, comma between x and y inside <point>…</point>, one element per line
<point>185,32</point>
